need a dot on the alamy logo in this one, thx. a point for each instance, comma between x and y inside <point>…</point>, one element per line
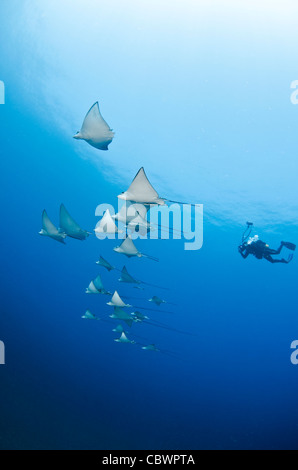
<point>294,356</point>
<point>2,353</point>
<point>294,95</point>
<point>2,92</point>
<point>175,222</point>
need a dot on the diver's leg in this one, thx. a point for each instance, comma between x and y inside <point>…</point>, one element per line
<point>275,252</point>
<point>273,261</point>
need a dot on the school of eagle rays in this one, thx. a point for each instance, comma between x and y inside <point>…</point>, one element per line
<point>138,199</point>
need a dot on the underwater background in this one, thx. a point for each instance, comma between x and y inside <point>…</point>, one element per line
<point>199,93</point>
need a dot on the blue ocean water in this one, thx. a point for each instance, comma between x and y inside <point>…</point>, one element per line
<point>200,96</point>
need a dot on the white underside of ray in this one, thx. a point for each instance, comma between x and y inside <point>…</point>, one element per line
<point>95,130</point>
<point>128,248</point>
<point>123,215</point>
<point>130,211</point>
<point>141,231</point>
<point>70,226</point>
<point>96,287</point>
<point>92,289</point>
<point>116,301</point>
<point>141,222</point>
<point>140,226</point>
<point>133,216</point>
<point>49,229</point>
<point>141,191</point>
<point>123,339</point>
<point>107,225</point>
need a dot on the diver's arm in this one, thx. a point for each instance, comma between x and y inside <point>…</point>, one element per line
<point>244,253</point>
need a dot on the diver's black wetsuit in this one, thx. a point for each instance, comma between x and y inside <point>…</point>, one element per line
<point>260,250</point>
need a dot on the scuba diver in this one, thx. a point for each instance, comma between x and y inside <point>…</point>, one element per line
<point>259,249</point>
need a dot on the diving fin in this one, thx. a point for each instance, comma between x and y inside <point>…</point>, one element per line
<point>289,245</point>
<point>290,258</point>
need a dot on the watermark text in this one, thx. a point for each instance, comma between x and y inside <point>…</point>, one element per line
<point>2,92</point>
<point>2,353</point>
<point>155,222</point>
<point>294,95</point>
<point>294,356</point>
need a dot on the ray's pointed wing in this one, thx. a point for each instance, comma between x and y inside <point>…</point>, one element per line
<point>48,225</point>
<point>129,211</point>
<point>120,314</point>
<point>100,287</point>
<point>98,284</point>
<point>92,289</point>
<point>128,247</point>
<point>141,226</point>
<point>105,264</point>
<point>89,316</point>
<point>123,216</point>
<point>70,226</point>
<point>94,123</point>
<point>95,130</point>
<point>141,190</point>
<point>140,221</point>
<point>117,301</point>
<point>118,329</point>
<point>127,278</point>
<point>49,229</point>
<point>107,225</point>
<point>123,339</point>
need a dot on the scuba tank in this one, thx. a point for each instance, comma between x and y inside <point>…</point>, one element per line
<point>252,240</point>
